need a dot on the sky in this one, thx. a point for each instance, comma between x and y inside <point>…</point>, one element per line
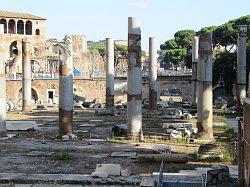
<point>99,19</point>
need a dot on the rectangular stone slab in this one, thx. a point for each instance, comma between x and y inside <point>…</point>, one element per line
<point>20,125</point>
<point>123,154</point>
<point>111,169</point>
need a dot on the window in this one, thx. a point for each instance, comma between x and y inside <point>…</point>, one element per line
<point>12,26</point>
<point>37,32</point>
<point>28,28</point>
<point>4,22</point>
<point>20,27</point>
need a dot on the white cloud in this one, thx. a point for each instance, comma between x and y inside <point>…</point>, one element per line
<point>140,5</point>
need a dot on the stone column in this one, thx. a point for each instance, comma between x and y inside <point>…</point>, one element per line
<point>110,92</point>
<point>195,47</point>
<point>2,92</point>
<point>241,66</point>
<point>153,75</point>
<point>205,91</point>
<point>26,72</point>
<point>134,81</point>
<point>66,88</point>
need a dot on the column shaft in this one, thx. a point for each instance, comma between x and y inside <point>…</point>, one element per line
<point>153,74</point>
<point>134,80</point>
<point>26,72</point>
<point>110,73</point>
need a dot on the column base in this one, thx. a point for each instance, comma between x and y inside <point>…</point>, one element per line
<point>135,137</point>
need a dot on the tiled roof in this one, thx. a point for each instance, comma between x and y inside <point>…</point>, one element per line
<point>7,14</point>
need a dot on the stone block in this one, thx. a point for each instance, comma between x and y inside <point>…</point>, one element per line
<point>20,125</point>
<point>123,154</point>
<point>111,169</point>
<point>99,174</point>
<point>147,182</point>
<point>126,172</point>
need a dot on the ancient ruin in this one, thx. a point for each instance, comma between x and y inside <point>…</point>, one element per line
<point>134,97</point>
<point>205,103</point>
<point>153,75</point>
<point>107,113</point>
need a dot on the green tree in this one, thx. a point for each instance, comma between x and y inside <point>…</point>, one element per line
<point>177,49</point>
<point>184,38</point>
<point>101,49</point>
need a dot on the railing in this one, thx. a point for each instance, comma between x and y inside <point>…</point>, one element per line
<point>98,74</point>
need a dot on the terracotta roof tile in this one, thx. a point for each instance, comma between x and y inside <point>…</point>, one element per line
<point>7,14</point>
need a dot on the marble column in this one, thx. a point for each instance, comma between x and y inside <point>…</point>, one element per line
<point>152,74</point>
<point>134,81</point>
<point>66,88</point>
<point>241,66</point>
<point>26,72</point>
<point>205,90</point>
<point>110,91</point>
<point>195,47</point>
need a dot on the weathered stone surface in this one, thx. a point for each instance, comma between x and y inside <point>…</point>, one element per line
<point>20,125</point>
<point>123,154</point>
<point>99,174</point>
<point>161,148</point>
<point>147,182</point>
<point>39,154</point>
<point>126,172</point>
<point>111,169</point>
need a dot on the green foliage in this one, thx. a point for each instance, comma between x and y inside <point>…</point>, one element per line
<point>184,38</point>
<point>121,51</point>
<point>176,48</point>
<point>228,156</point>
<point>206,30</point>
<point>224,67</point>
<point>101,49</point>
<point>62,155</point>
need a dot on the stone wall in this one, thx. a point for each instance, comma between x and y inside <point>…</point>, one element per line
<point>95,88</point>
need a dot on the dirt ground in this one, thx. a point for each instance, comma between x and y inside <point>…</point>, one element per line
<point>40,152</point>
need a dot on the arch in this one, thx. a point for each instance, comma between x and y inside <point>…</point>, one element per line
<point>4,22</point>
<point>12,26</point>
<point>34,95</point>
<point>37,32</point>
<point>20,27</point>
<point>13,49</point>
<point>28,27</point>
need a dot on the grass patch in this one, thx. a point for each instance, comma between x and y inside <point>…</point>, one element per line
<point>62,155</point>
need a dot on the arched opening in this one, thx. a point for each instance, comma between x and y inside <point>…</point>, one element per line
<point>13,49</point>
<point>28,28</point>
<point>4,22</point>
<point>12,27</point>
<point>34,95</point>
<point>20,27</point>
<point>37,32</point>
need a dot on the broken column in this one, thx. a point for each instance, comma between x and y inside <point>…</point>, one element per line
<point>195,47</point>
<point>66,88</point>
<point>153,75</point>
<point>110,73</point>
<point>205,91</point>
<point>134,81</point>
<point>241,66</point>
<point>26,73</point>
<point>2,92</point>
